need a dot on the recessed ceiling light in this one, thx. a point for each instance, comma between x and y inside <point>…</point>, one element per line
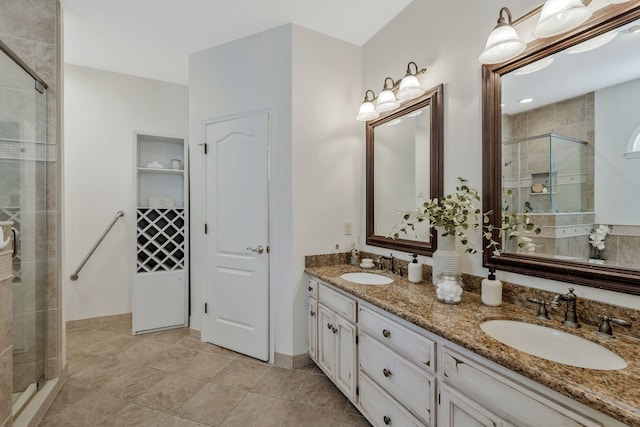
<point>526,100</point>
<point>594,43</point>
<point>536,66</point>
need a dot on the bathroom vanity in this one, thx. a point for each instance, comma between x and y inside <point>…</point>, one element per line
<point>403,358</point>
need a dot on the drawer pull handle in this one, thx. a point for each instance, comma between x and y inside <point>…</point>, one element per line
<point>387,373</point>
<point>386,333</point>
<point>313,313</point>
<point>387,420</point>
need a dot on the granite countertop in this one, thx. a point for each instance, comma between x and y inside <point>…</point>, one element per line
<point>614,393</point>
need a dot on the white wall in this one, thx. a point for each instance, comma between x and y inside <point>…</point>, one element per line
<point>245,75</point>
<point>311,82</point>
<point>446,38</point>
<point>616,121</point>
<point>101,110</point>
<point>327,157</point>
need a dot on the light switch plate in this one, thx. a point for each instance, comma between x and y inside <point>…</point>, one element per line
<point>347,228</point>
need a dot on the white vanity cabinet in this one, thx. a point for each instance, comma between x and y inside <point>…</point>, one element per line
<point>336,338</point>
<point>458,410</point>
<point>312,319</point>
<point>400,362</point>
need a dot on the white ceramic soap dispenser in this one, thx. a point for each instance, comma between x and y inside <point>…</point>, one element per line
<point>491,290</point>
<point>415,270</point>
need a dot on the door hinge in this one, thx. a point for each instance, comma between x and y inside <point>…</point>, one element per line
<point>206,308</point>
<point>357,391</point>
<point>267,249</point>
<point>439,403</point>
<point>205,146</point>
<point>206,228</point>
<point>357,339</point>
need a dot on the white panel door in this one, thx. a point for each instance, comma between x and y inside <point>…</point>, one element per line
<point>237,240</point>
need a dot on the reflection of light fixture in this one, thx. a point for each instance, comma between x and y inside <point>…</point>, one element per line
<point>410,85</point>
<point>635,29</point>
<point>503,42</point>
<point>387,100</point>
<point>414,113</point>
<point>394,122</point>
<point>535,66</point>
<point>393,93</point>
<point>526,100</point>
<point>559,16</point>
<point>367,109</point>
<point>593,43</point>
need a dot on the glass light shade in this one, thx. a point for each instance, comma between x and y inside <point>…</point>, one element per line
<point>503,44</point>
<point>386,101</point>
<point>536,66</point>
<point>409,88</point>
<point>367,112</point>
<point>559,16</point>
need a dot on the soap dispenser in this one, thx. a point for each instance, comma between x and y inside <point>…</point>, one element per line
<point>415,270</point>
<point>491,290</point>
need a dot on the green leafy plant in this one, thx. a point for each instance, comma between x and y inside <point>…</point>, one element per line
<point>455,214</point>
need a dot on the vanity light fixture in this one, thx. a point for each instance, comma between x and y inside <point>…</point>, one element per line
<point>367,109</point>
<point>414,113</point>
<point>535,66</point>
<point>387,99</point>
<point>393,94</point>
<point>503,42</point>
<point>410,85</point>
<point>593,43</point>
<point>560,16</point>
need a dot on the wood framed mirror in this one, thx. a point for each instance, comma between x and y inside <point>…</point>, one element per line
<point>404,158</point>
<point>569,175</point>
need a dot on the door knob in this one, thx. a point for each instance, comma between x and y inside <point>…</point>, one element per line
<point>259,249</point>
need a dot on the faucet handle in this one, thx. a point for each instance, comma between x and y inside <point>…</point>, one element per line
<point>542,314</point>
<point>605,329</point>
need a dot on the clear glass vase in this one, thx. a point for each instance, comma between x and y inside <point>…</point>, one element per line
<point>449,288</point>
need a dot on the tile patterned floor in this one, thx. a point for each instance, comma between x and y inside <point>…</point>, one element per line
<point>169,379</point>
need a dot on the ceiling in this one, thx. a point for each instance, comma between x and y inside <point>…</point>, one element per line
<point>153,38</point>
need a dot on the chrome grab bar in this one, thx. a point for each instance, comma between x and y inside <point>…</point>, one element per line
<point>74,276</point>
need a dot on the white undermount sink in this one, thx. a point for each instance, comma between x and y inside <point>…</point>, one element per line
<point>553,345</point>
<point>367,278</point>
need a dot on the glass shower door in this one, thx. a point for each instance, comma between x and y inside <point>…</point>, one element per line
<point>23,201</point>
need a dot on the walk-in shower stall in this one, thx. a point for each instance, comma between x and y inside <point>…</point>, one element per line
<point>23,164</point>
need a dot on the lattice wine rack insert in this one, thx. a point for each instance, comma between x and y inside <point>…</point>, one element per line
<point>160,238</point>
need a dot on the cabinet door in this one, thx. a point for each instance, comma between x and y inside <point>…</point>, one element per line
<point>313,329</point>
<point>346,357</point>
<point>457,410</point>
<point>326,339</point>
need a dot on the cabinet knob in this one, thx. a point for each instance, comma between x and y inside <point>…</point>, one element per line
<point>387,420</point>
<point>387,373</point>
<point>313,313</point>
<point>310,288</point>
<point>386,333</point>
<point>335,331</point>
<point>329,326</point>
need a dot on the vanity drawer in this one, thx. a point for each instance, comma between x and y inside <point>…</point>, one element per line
<point>518,403</point>
<point>344,306</point>
<point>313,288</point>
<point>406,342</point>
<point>381,409</point>
<point>411,385</point>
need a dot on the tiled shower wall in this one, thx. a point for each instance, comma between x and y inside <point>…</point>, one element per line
<point>572,118</point>
<point>31,29</point>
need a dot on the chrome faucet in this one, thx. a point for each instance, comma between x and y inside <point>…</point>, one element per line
<point>570,315</point>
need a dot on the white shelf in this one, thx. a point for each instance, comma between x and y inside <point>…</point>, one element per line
<point>159,170</point>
